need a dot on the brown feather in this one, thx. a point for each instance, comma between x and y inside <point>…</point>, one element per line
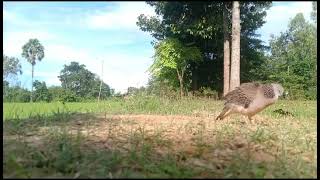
<point>268,91</point>
<point>242,95</point>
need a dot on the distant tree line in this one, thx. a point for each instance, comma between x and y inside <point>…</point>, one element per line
<point>78,84</point>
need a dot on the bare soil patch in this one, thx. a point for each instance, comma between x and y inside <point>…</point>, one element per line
<point>198,136</point>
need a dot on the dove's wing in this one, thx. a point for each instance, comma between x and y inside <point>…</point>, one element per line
<point>242,95</point>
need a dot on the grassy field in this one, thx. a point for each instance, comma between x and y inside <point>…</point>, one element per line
<point>157,138</point>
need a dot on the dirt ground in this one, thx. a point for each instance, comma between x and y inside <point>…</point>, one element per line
<point>196,139</point>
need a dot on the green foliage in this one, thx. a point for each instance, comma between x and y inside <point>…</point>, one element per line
<point>64,95</point>
<point>57,92</point>
<point>132,90</point>
<point>15,94</point>
<point>171,53</point>
<point>200,24</point>
<point>41,91</point>
<point>94,92</point>
<point>11,67</point>
<point>69,96</point>
<point>293,59</point>
<point>82,82</point>
<point>33,51</point>
<point>207,92</point>
<point>5,86</point>
<point>314,11</point>
<point>76,78</point>
<point>162,88</point>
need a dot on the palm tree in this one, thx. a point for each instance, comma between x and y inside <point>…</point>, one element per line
<point>235,51</point>
<point>33,51</point>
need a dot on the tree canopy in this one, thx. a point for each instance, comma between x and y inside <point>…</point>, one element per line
<point>41,91</point>
<point>11,67</point>
<point>293,59</point>
<point>82,82</point>
<point>172,54</point>
<point>200,23</point>
<point>33,50</point>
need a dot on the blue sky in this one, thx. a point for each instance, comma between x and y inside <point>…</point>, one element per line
<point>89,32</point>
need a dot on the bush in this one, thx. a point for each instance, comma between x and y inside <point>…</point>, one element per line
<point>206,92</point>
<point>311,93</point>
<point>69,96</point>
<point>56,93</point>
<point>162,89</point>
<point>16,94</point>
<point>41,92</point>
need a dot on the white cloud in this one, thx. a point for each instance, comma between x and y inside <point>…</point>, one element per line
<point>121,81</point>
<point>279,15</point>
<point>53,81</point>
<point>124,17</point>
<point>8,16</point>
<point>66,53</point>
<point>15,18</point>
<point>54,16</point>
<point>282,13</point>
<point>40,73</point>
<point>13,41</point>
<point>121,69</point>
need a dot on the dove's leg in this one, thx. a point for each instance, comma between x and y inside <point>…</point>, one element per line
<point>225,112</point>
<point>230,111</point>
<point>250,117</point>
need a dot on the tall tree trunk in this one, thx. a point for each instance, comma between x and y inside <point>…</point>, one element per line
<point>195,80</point>
<point>235,56</point>
<point>226,54</point>
<point>31,98</point>
<point>180,77</point>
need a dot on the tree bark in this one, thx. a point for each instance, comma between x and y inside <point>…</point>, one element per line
<point>195,80</point>
<point>235,52</point>
<point>31,98</point>
<point>180,77</point>
<point>226,54</point>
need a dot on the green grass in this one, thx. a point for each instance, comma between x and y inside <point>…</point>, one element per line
<point>83,140</point>
<point>150,105</point>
